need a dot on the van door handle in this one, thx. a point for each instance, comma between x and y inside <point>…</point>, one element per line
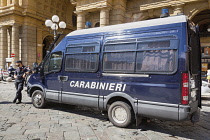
<point>63,78</point>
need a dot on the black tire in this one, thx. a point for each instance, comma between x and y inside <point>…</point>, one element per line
<point>120,120</point>
<point>38,99</point>
<point>3,78</point>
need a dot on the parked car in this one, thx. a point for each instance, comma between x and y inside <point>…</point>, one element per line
<point>3,75</point>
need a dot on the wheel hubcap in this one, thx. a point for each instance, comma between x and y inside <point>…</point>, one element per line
<point>119,114</point>
<point>38,99</point>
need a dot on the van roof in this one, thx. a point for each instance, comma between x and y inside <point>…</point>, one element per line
<point>131,25</point>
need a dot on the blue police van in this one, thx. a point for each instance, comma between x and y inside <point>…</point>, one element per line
<point>145,69</point>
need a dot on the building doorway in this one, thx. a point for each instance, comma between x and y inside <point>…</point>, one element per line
<point>97,24</point>
<point>46,44</point>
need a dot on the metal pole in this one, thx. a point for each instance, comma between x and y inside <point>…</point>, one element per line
<point>54,32</point>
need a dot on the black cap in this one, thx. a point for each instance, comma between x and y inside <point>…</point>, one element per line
<point>19,61</point>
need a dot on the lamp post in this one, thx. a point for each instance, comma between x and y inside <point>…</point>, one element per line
<point>54,24</point>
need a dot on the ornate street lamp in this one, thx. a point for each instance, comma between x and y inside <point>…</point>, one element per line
<point>54,24</point>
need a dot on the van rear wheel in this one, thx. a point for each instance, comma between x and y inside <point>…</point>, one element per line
<point>38,99</point>
<point>120,114</point>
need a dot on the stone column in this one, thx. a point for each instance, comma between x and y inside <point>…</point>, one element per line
<point>3,3</point>
<point>3,46</point>
<point>28,44</point>
<point>9,33</point>
<point>15,42</point>
<point>9,2</point>
<point>39,45</point>
<point>178,9</point>
<point>117,12</point>
<point>80,19</point>
<point>104,17</point>
<point>15,2</point>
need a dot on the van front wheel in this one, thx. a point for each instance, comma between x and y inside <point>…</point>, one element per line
<point>120,114</point>
<point>38,99</point>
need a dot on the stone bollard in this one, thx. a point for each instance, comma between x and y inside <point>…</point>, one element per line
<point>9,79</point>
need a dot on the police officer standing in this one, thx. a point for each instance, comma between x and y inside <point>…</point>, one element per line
<point>19,76</point>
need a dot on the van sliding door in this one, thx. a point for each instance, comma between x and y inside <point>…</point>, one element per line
<point>81,73</point>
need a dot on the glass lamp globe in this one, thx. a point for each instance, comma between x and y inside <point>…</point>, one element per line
<point>48,23</point>
<point>55,18</point>
<point>54,26</point>
<point>62,25</point>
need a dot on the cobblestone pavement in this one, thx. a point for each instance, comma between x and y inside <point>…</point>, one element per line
<point>65,122</point>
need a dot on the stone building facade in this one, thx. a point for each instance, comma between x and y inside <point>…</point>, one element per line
<point>22,28</point>
<point>109,12</point>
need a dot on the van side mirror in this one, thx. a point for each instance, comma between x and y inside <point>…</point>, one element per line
<point>35,67</point>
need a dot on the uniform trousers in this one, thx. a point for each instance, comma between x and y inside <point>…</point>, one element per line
<point>19,88</point>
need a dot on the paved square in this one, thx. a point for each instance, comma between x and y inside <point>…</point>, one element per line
<point>65,122</point>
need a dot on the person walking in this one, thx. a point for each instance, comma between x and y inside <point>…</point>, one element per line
<point>19,76</point>
<point>11,71</point>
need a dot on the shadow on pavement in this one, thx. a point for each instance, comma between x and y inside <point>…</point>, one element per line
<point>205,98</point>
<point>80,110</point>
<point>6,102</point>
<point>27,102</point>
<point>172,129</point>
<point>203,104</point>
<point>169,128</point>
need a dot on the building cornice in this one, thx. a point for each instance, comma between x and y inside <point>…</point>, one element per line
<point>94,6</point>
<point>165,3</point>
<point>73,2</point>
<point>13,7</point>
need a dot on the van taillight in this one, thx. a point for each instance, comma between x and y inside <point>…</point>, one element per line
<point>185,88</point>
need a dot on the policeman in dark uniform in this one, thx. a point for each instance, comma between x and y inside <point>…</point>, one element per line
<point>19,76</point>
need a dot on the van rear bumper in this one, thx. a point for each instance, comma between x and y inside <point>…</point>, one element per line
<point>187,111</point>
<point>174,112</point>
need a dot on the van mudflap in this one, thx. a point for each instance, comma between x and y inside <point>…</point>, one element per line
<point>196,116</point>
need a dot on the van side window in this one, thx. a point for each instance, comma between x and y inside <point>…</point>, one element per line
<point>53,63</point>
<point>119,61</point>
<point>82,58</point>
<point>119,57</point>
<point>141,56</point>
<point>159,60</point>
<point>154,44</point>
